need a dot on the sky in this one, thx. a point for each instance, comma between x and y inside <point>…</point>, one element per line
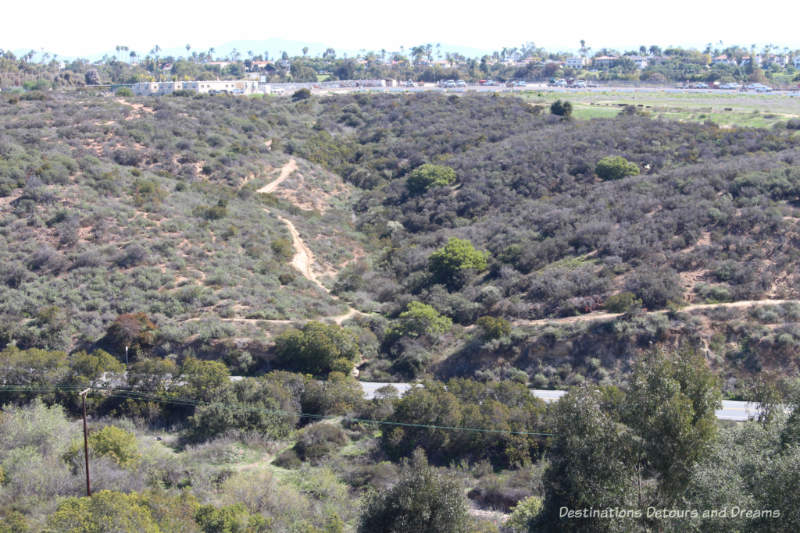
<point>88,28</point>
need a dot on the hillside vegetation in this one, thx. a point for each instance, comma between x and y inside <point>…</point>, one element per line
<point>215,269</point>
<point>478,206</point>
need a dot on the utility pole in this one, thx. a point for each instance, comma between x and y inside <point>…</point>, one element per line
<point>86,442</point>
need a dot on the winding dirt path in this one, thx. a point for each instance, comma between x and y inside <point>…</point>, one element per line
<point>286,171</point>
<point>591,317</point>
<point>303,258</point>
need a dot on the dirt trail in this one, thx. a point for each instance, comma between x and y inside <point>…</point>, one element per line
<point>303,258</point>
<point>286,171</point>
<point>608,316</point>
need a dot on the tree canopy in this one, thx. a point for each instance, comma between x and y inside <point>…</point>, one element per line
<point>615,167</point>
<point>428,175</point>
<point>423,501</point>
<point>317,349</point>
<point>450,263</point>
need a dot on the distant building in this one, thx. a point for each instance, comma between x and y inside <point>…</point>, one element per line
<point>796,61</point>
<point>746,60</point>
<point>604,62</point>
<point>576,63</point>
<point>722,60</point>
<point>241,87</point>
<point>639,61</point>
<point>779,59</point>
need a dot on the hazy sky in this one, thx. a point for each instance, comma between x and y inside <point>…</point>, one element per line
<point>89,27</point>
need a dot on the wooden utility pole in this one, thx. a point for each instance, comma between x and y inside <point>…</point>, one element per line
<point>86,443</point>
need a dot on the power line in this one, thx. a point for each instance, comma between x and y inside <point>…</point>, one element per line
<point>187,402</point>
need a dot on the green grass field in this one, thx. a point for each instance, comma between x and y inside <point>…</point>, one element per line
<point>725,109</point>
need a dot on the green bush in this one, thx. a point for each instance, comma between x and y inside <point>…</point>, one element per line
<point>124,92</point>
<point>105,511</point>
<point>229,519</point>
<point>450,263</point>
<point>116,443</point>
<point>214,212</point>
<point>622,302</point>
<point>561,109</point>
<point>422,319</point>
<point>318,440</point>
<point>494,327</point>
<point>423,500</point>
<point>316,349</point>
<point>523,514</point>
<point>426,176</point>
<point>615,167</point>
<point>301,94</point>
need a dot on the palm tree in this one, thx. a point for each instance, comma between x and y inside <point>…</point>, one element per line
<point>154,52</point>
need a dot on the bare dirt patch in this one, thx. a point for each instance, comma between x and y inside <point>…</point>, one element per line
<point>138,109</point>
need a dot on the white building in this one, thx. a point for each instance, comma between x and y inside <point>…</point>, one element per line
<point>639,61</point>
<point>604,62</point>
<point>240,87</point>
<point>576,63</point>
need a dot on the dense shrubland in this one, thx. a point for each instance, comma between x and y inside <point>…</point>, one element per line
<point>118,212</point>
<point>136,252</point>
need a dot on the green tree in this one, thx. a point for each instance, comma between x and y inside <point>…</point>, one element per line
<point>317,349</point>
<point>31,367</point>
<point>205,380</point>
<point>561,109</point>
<point>590,465</point>
<point>251,405</point>
<point>426,176</point>
<point>494,327</point>
<point>670,404</point>
<point>116,443</point>
<point>301,94</point>
<point>423,501</point>
<point>523,513</point>
<point>451,263</point>
<point>87,367</point>
<point>422,319</point>
<point>776,488</point>
<point>615,167</point>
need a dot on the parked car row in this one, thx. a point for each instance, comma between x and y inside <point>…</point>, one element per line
<point>758,87</point>
<point>571,83</point>
<point>451,84</point>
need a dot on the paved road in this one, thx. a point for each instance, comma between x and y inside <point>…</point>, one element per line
<point>731,410</point>
<point>431,87</point>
